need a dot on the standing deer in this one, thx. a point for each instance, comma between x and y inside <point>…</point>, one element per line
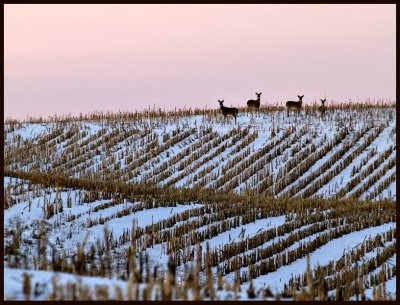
<point>227,110</point>
<point>293,104</point>
<point>254,103</point>
<point>322,107</point>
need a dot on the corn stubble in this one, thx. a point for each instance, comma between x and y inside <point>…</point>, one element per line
<point>192,272</point>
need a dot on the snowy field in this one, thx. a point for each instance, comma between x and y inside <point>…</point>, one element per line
<point>343,153</point>
<point>276,200</point>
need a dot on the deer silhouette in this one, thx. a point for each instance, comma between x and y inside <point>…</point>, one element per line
<point>294,104</point>
<point>254,103</point>
<point>322,107</point>
<point>227,110</point>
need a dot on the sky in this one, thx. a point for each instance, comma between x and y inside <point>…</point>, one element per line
<point>71,59</point>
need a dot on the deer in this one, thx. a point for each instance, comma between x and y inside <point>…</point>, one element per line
<point>254,103</point>
<point>227,110</point>
<point>322,107</point>
<point>293,104</point>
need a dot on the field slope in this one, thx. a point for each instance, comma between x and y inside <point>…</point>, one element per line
<point>195,207</point>
<point>345,153</point>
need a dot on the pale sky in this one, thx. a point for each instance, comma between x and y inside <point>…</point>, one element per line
<point>62,59</point>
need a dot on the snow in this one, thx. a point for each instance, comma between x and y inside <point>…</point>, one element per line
<point>73,232</point>
<point>249,229</point>
<point>319,129</point>
<point>390,289</point>
<point>31,131</point>
<point>13,283</point>
<point>335,248</point>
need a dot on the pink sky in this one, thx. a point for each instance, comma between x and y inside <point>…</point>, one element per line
<point>62,59</point>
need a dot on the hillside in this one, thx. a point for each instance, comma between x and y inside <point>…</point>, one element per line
<point>199,244</point>
<point>192,207</point>
<point>347,152</point>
